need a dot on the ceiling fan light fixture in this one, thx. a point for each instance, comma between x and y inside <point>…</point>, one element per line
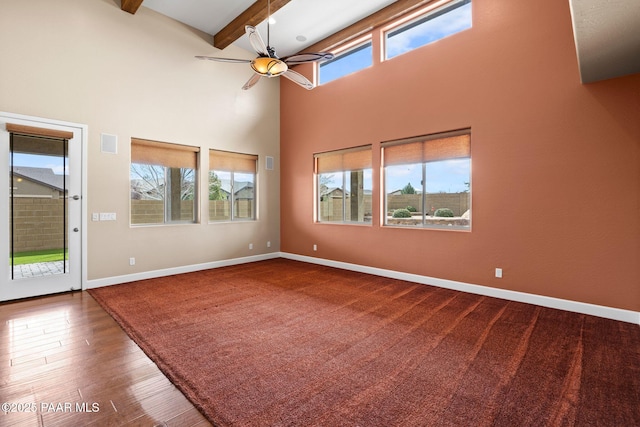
<point>269,67</point>
<point>267,64</point>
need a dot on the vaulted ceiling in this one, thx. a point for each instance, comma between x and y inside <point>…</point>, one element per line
<point>296,25</point>
<point>606,33</point>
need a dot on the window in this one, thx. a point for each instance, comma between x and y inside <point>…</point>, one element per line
<point>343,185</point>
<point>427,181</point>
<point>350,61</point>
<point>452,18</point>
<point>232,185</point>
<point>163,182</point>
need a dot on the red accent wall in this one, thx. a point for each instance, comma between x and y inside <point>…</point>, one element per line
<point>555,164</point>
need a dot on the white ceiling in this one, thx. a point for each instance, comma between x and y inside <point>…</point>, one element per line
<point>607,32</point>
<point>312,19</point>
<point>607,37</point>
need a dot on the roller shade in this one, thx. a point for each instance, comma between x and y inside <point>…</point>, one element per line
<point>163,154</point>
<point>232,162</point>
<point>357,158</point>
<point>35,131</point>
<point>443,146</point>
<point>39,145</point>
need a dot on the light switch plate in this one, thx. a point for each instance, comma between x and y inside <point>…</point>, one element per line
<point>107,216</point>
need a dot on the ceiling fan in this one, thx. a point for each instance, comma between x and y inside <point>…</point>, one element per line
<point>267,64</point>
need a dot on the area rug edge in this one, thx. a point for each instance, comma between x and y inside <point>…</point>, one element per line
<point>180,383</point>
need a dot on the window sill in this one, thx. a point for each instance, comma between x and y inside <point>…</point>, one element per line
<point>166,224</point>
<point>431,223</point>
<point>234,221</point>
<point>360,224</point>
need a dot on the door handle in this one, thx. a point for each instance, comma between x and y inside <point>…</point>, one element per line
<point>76,197</point>
<point>76,229</point>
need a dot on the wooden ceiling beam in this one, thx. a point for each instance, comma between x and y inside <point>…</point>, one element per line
<point>131,6</point>
<point>255,14</point>
<point>381,17</point>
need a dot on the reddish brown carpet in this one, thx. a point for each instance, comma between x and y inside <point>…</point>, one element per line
<point>285,343</point>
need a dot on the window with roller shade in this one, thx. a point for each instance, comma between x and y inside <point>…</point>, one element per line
<point>427,181</point>
<point>163,181</point>
<point>343,185</point>
<point>232,186</point>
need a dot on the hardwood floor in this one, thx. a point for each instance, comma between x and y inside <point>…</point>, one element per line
<point>65,362</point>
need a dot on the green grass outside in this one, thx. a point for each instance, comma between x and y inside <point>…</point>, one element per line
<point>33,257</point>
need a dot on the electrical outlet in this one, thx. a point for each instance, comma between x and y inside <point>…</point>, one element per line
<point>132,261</point>
<point>269,244</point>
<point>250,246</point>
<point>499,273</point>
<point>315,247</point>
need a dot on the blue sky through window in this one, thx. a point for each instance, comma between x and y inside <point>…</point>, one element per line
<point>424,31</point>
<point>351,61</point>
<point>41,161</point>
<point>438,24</point>
<point>447,176</point>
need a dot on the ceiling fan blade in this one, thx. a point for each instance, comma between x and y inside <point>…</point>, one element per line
<point>256,41</point>
<point>215,58</point>
<point>301,58</point>
<point>299,79</point>
<point>252,81</point>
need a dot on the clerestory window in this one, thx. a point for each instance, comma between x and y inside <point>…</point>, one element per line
<point>347,62</point>
<point>434,24</point>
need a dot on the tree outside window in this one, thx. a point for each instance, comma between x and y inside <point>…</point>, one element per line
<point>438,170</point>
<point>232,186</point>
<point>344,184</point>
<point>163,182</point>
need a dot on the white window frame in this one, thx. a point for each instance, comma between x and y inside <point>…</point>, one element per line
<point>426,222</point>
<point>167,156</point>
<point>356,160</point>
<point>232,169</point>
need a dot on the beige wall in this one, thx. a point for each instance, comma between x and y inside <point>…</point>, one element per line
<point>555,164</point>
<point>88,62</point>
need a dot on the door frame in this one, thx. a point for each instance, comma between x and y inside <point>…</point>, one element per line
<point>80,132</point>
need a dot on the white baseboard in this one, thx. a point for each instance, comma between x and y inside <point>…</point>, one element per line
<point>562,304</point>
<point>116,280</point>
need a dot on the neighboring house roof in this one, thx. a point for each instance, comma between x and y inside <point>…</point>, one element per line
<point>225,185</point>
<point>44,176</point>
<point>399,192</point>
<point>331,190</point>
<point>141,186</point>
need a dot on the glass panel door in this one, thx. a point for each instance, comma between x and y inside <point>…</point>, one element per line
<point>39,206</point>
<point>41,218</point>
